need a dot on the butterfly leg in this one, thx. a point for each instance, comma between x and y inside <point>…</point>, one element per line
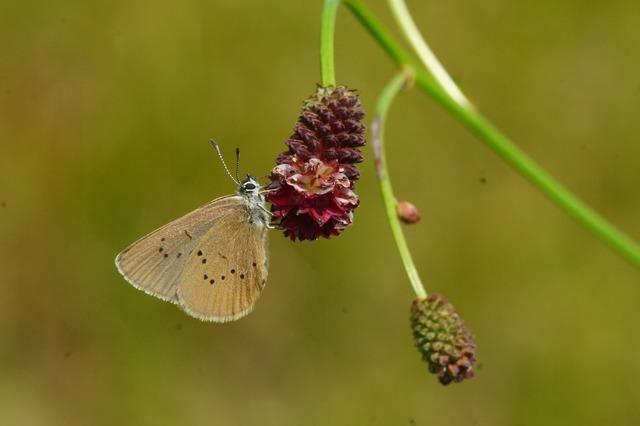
<point>266,191</point>
<point>263,208</point>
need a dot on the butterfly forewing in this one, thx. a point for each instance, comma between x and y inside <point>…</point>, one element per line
<point>227,269</point>
<point>156,262</point>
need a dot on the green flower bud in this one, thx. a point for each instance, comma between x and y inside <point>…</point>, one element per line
<point>443,339</point>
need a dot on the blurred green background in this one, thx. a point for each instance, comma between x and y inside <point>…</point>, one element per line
<point>106,109</point>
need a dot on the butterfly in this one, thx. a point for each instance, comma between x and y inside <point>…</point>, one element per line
<point>212,262</point>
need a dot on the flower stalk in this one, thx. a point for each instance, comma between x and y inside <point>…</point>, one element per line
<point>387,96</point>
<point>423,51</point>
<point>327,34</point>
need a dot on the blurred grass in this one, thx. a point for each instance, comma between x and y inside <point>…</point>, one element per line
<point>105,113</point>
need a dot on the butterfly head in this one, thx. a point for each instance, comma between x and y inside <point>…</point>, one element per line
<point>249,186</point>
<point>250,190</point>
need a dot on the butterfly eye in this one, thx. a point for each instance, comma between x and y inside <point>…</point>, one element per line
<point>249,186</point>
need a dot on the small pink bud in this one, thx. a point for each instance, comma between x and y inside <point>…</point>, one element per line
<point>408,213</point>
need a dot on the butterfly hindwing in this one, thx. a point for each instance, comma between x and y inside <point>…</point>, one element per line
<point>155,263</point>
<point>227,269</point>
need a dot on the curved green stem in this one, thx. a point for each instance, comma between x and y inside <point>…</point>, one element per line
<point>424,52</point>
<point>500,144</point>
<point>327,32</point>
<point>377,142</point>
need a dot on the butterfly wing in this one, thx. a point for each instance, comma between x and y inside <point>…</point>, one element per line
<point>227,269</point>
<point>155,263</point>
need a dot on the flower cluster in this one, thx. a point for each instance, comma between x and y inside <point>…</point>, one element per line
<point>445,342</point>
<point>311,190</point>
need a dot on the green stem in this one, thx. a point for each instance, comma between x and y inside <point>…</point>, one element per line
<point>377,142</point>
<point>327,32</point>
<point>424,52</point>
<point>500,144</point>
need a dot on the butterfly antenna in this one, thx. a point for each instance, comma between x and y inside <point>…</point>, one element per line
<point>237,162</point>
<point>226,169</point>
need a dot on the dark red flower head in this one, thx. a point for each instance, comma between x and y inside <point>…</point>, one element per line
<point>312,185</point>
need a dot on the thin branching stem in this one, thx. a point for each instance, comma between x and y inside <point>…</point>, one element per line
<point>423,51</point>
<point>499,143</point>
<point>387,96</point>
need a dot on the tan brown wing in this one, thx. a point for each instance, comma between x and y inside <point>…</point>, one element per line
<point>227,270</point>
<point>155,262</point>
